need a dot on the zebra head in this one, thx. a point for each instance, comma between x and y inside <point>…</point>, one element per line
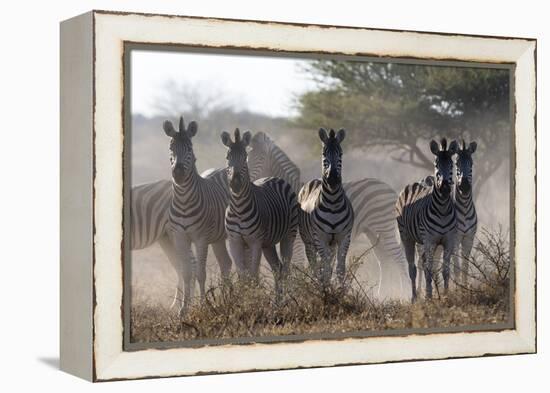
<point>237,168</point>
<point>443,165</point>
<point>331,159</point>
<point>464,164</point>
<point>182,158</point>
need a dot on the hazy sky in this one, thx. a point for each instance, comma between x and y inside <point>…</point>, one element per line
<point>265,85</point>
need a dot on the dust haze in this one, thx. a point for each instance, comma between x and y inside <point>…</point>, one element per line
<point>153,278</point>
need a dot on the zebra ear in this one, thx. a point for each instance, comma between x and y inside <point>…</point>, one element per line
<point>246,138</point>
<point>453,147</point>
<point>472,148</point>
<point>192,129</point>
<point>434,147</point>
<point>323,135</point>
<point>169,129</point>
<point>226,139</point>
<point>341,135</point>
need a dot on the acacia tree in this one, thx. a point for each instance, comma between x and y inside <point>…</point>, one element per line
<point>401,107</point>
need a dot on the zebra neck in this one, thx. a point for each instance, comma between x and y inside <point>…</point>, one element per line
<point>464,198</point>
<point>184,192</point>
<point>241,202</point>
<point>442,203</point>
<point>332,197</point>
<point>466,211</point>
<point>257,170</point>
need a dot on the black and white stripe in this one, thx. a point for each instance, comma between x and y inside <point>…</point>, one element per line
<point>466,216</point>
<point>326,214</point>
<point>196,213</point>
<point>373,203</point>
<point>427,216</point>
<point>149,205</point>
<point>259,216</point>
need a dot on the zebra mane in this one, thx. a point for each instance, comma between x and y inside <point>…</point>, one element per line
<point>277,156</point>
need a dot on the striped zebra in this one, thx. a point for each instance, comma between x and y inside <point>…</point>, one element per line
<point>466,216</point>
<point>259,215</point>
<point>373,203</point>
<point>326,214</point>
<point>427,216</point>
<point>196,213</point>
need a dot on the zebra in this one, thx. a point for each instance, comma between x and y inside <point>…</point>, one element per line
<point>326,215</point>
<point>373,202</point>
<point>427,216</point>
<point>466,216</point>
<point>259,215</point>
<point>196,213</point>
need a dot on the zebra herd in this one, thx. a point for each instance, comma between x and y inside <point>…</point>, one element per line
<point>258,201</point>
<point>428,216</point>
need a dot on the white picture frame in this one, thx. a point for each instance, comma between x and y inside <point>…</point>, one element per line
<point>92,190</point>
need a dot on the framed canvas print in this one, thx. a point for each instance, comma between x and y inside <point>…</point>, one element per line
<point>247,195</point>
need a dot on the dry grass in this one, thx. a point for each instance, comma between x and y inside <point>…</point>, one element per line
<point>240,308</point>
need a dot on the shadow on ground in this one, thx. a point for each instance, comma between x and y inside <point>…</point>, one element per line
<point>52,362</point>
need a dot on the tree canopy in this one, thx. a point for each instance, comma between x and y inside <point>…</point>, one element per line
<point>403,106</point>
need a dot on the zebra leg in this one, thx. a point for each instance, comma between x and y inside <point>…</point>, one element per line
<point>380,256</point>
<point>287,247</point>
<point>277,268</point>
<point>428,262</point>
<point>447,254</point>
<point>343,247</point>
<point>236,250</point>
<point>329,265</point>
<point>255,258</point>
<point>247,257</point>
<point>467,244</point>
<point>222,256</point>
<point>202,253</point>
<point>419,266</point>
<point>409,248</point>
<point>456,262</point>
<point>326,254</point>
<point>311,256</point>
<point>299,256</point>
<point>437,265</point>
<point>168,247</point>
<point>391,260</point>
<point>186,271</point>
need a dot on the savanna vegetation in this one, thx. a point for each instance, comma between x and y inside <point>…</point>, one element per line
<point>243,308</point>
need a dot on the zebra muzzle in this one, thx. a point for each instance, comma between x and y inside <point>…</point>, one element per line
<point>464,185</point>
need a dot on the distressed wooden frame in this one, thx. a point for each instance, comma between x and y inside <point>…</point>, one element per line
<point>92,189</point>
